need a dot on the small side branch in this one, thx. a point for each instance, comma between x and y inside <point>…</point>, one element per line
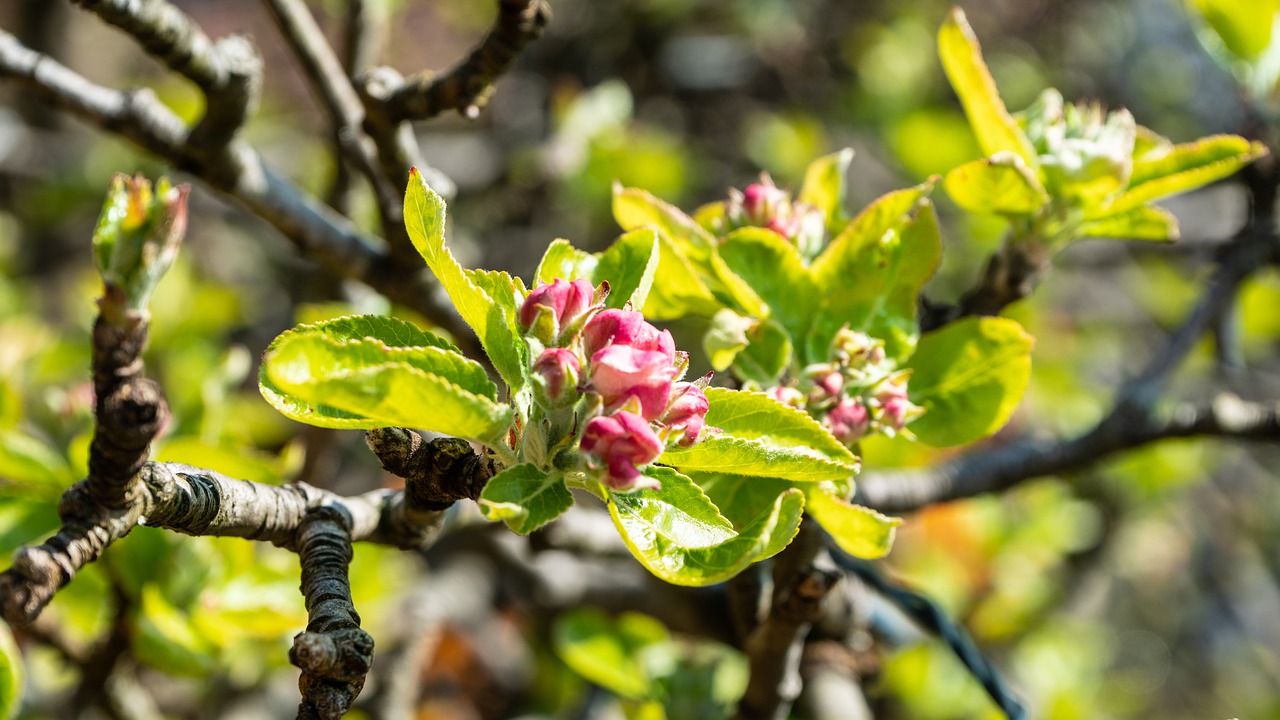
<point>774,648</point>
<point>1002,467</point>
<point>466,87</point>
<point>436,473</point>
<point>932,619</point>
<point>334,653</point>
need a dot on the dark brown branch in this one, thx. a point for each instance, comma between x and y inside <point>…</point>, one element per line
<point>334,653</point>
<point>466,87</point>
<point>999,468</point>
<point>237,171</point>
<point>1012,273</point>
<point>130,410</point>
<point>430,469</point>
<point>774,647</point>
<point>330,82</point>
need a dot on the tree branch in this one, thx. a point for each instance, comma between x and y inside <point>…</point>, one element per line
<point>334,653</point>
<point>237,171</point>
<point>774,647</point>
<point>331,84</point>
<point>467,86</point>
<point>999,468</point>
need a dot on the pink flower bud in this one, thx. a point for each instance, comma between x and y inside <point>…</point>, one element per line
<point>623,442</point>
<point>849,420</point>
<point>895,412</point>
<point>831,383</point>
<point>687,412</point>
<point>556,371</point>
<point>764,201</point>
<point>788,396</point>
<point>625,327</point>
<point>621,372</point>
<point>564,301</point>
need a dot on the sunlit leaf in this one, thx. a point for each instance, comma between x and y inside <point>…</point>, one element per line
<point>1145,222</point>
<point>962,59</point>
<point>870,276</point>
<point>525,497</point>
<point>776,271</point>
<point>762,437</point>
<point>1245,26</point>
<point>424,217</point>
<point>1184,167</point>
<point>859,531</point>
<point>1000,185</point>
<point>330,382</point>
<point>666,558</point>
<point>824,187</point>
<point>969,376</point>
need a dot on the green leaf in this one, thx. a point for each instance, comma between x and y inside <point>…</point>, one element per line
<point>999,185</point>
<point>320,380</point>
<point>859,531</point>
<point>771,531</point>
<point>740,497</point>
<point>629,265</point>
<point>969,377</point>
<point>1245,26</point>
<point>1184,167</point>
<point>766,356</point>
<point>10,674</point>
<point>608,653</point>
<point>563,260</point>
<point>992,124</point>
<point>870,276</point>
<point>489,317</point>
<point>525,498</point>
<point>762,437</point>
<point>824,187</point>
<point>777,273</point>
<point>677,514</point>
<point>634,208</point>
<point>1145,222</point>
<point>678,290</point>
<point>29,462</point>
<point>726,336</point>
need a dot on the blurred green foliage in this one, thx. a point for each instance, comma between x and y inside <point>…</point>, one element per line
<point>1141,588</point>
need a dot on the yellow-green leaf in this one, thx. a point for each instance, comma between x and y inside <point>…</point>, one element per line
<point>525,497</point>
<point>998,185</point>
<point>1184,167</point>
<point>992,124</point>
<point>1145,222</point>
<point>969,376</point>
<point>859,531</point>
<point>1245,26</point>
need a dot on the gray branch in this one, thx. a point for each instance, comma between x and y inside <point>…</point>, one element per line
<point>334,653</point>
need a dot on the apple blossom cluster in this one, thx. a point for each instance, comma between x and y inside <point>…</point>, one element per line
<point>856,394</point>
<point>615,371</point>
<point>766,205</point>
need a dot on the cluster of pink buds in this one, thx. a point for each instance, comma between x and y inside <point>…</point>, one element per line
<point>627,371</point>
<point>857,393</point>
<point>766,205</point>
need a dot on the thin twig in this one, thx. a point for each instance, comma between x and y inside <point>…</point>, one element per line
<point>931,617</point>
<point>997,468</point>
<point>237,171</point>
<point>467,86</point>
<point>330,82</point>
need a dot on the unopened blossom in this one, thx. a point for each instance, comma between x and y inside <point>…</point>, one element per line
<point>764,202</point>
<point>849,420</point>
<point>623,372</point>
<point>553,308</point>
<point>621,443</point>
<point>687,412</point>
<point>556,372</point>
<point>788,396</point>
<point>895,409</point>
<point>624,327</point>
